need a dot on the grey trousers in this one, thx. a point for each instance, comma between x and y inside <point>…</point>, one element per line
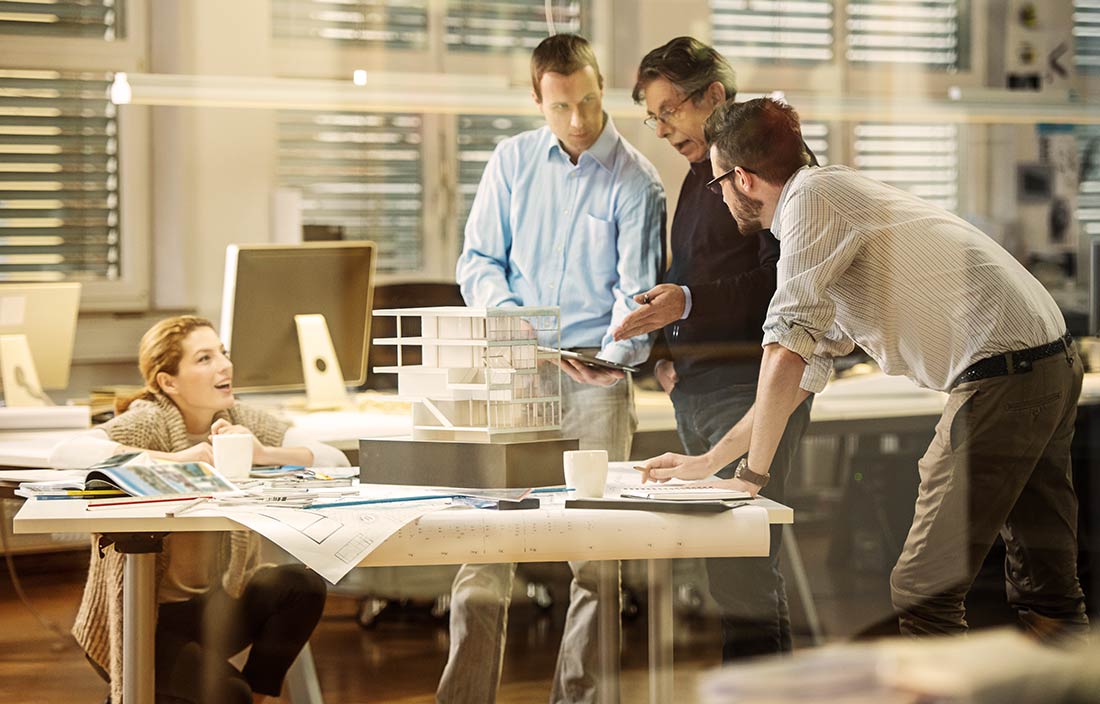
<point>603,418</point>
<point>999,464</point>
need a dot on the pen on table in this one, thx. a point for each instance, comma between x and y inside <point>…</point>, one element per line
<point>159,500</point>
<point>551,489</point>
<point>180,510</point>
<point>388,500</point>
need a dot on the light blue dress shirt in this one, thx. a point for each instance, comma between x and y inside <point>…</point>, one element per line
<point>586,237</point>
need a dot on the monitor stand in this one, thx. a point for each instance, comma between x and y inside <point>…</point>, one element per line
<point>21,387</point>
<point>320,367</point>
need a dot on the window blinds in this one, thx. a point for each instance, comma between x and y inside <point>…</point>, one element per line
<point>921,159</point>
<point>93,19</point>
<point>359,175</point>
<point>59,197</point>
<point>504,25</point>
<point>785,30</point>
<point>393,24</point>
<point>917,32</point>
<point>1086,34</point>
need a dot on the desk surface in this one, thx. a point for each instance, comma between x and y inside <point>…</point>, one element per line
<point>456,536</point>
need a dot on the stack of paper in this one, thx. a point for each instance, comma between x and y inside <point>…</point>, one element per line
<point>44,417</point>
<point>683,492</point>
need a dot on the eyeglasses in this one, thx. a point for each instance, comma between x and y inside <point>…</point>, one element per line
<point>715,184</point>
<point>665,118</point>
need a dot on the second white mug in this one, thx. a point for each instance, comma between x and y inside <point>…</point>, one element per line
<point>586,471</point>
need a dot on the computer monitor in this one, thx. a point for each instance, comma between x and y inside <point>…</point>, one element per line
<point>267,286</point>
<point>37,330</point>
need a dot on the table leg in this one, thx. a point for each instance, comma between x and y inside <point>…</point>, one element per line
<point>660,631</point>
<point>610,631</point>
<point>301,685</point>
<point>139,607</point>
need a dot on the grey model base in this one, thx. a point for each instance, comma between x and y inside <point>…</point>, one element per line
<point>523,463</point>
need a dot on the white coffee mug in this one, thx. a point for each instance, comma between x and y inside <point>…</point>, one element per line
<point>586,471</point>
<point>233,455</point>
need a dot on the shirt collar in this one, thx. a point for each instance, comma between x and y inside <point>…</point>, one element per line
<point>702,168</point>
<point>602,151</point>
<point>783,195</point>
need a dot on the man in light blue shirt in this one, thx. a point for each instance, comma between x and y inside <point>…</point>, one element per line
<point>569,215</point>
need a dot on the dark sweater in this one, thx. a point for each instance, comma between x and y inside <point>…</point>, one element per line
<point>731,278</point>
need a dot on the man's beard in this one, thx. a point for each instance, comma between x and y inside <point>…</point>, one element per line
<point>748,213</point>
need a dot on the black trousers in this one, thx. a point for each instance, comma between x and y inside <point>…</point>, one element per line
<point>749,590</point>
<point>276,614</point>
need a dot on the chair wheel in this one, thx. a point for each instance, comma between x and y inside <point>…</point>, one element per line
<point>629,605</point>
<point>441,607</point>
<point>541,595</point>
<point>369,610</point>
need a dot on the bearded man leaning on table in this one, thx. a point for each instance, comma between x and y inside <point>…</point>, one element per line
<point>930,297</point>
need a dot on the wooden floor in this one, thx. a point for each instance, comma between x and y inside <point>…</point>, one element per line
<point>397,660</point>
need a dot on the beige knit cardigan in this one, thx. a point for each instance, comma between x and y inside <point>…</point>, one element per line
<point>156,424</point>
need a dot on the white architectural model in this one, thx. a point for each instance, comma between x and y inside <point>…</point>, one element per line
<point>479,378</point>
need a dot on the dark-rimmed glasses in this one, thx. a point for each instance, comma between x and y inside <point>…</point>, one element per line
<point>665,118</point>
<point>715,184</point>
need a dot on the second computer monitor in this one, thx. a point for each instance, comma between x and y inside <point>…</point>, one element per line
<point>267,285</point>
<point>45,314</point>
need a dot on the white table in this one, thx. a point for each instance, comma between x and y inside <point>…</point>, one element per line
<point>446,537</point>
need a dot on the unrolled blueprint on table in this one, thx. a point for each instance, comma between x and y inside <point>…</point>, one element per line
<point>331,541</point>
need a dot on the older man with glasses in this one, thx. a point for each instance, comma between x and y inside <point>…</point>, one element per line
<point>712,306</point>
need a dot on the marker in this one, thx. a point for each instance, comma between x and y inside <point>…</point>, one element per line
<point>390,500</point>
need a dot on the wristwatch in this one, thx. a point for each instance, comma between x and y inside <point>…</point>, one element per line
<point>744,473</point>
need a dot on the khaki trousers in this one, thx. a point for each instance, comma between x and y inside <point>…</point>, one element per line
<point>999,464</point>
<point>603,418</point>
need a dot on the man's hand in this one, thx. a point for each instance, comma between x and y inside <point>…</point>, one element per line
<point>666,374</point>
<point>584,374</point>
<point>673,466</point>
<point>661,305</point>
<point>736,485</point>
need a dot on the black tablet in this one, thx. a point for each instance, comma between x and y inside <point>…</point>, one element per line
<point>590,361</point>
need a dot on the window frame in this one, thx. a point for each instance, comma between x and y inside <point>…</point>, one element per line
<point>131,291</point>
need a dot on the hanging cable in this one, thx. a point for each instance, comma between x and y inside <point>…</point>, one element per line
<point>548,6</point>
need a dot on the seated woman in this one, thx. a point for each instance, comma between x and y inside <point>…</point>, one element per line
<point>214,597</point>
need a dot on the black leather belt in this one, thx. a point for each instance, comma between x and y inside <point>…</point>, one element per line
<point>1019,362</point>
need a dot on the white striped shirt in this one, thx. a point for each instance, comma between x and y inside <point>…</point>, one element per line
<point>922,291</point>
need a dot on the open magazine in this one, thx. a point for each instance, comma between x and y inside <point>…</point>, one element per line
<point>138,474</point>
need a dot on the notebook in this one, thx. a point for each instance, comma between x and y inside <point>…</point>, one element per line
<point>683,492</point>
